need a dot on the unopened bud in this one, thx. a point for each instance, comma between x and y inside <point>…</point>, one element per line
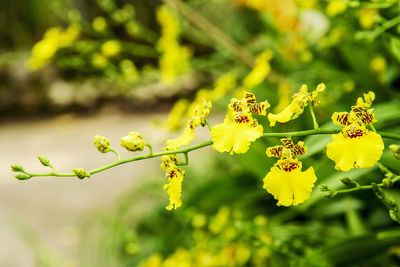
<point>102,143</point>
<point>395,149</point>
<point>80,173</point>
<point>17,168</point>
<point>349,182</point>
<point>387,182</point>
<point>44,160</point>
<point>22,176</point>
<point>132,142</point>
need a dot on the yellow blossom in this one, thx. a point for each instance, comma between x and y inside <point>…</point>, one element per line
<point>174,58</point>
<point>54,39</point>
<point>173,120</point>
<point>199,118</point>
<point>367,17</point>
<point>260,70</point>
<point>111,48</point>
<point>297,105</point>
<point>336,7</point>
<point>355,147</point>
<point>284,94</point>
<point>285,181</point>
<point>235,134</point>
<point>174,186</point>
<point>288,184</point>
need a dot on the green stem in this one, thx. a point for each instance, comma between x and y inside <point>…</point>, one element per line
<point>116,153</point>
<point>208,125</point>
<point>364,187</point>
<point>372,127</point>
<point>150,148</point>
<point>201,145</point>
<point>186,162</point>
<point>310,106</point>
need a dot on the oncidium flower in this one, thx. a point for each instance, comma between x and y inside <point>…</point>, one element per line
<point>199,118</point>
<point>297,105</point>
<point>175,176</point>
<point>239,128</point>
<point>285,181</point>
<point>355,146</point>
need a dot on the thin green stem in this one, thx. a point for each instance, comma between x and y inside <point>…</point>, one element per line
<point>208,125</point>
<point>186,150</point>
<point>372,127</point>
<point>150,148</point>
<point>116,153</point>
<point>310,106</point>
<point>186,162</point>
<point>363,187</point>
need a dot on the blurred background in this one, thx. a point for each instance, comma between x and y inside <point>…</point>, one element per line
<point>70,70</point>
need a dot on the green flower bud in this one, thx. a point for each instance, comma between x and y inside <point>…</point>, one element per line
<point>22,176</point>
<point>395,149</point>
<point>80,173</point>
<point>44,160</point>
<point>133,142</point>
<point>387,182</point>
<point>349,182</point>
<point>17,168</point>
<point>102,143</point>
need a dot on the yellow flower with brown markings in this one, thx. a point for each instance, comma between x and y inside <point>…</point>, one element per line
<point>285,180</point>
<point>355,147</point>
<point>239,128</point>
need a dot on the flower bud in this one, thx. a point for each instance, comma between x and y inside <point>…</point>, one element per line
<point>132,142</point>
<point>395,149</point>
<point>387,182</point>
<point>22,176</point>
<point>44,160</point>
<point>80,173</point>
<point>102,143</point>
<point>17,168</point>
<point>349,182</point>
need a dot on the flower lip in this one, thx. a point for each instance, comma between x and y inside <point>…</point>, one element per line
<point>353,132</point>
<point>289,165</point>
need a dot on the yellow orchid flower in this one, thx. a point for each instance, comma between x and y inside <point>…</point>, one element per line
<point>297,105</point>
<point>239,128</point>
<point>285,180</point>
<point>355,146</point>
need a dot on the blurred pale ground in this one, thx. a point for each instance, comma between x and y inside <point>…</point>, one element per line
<point>52,206</point>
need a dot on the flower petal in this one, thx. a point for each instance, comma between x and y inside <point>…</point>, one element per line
<point>290,188</point>
<point>359,152</point>
<point>234,137</point>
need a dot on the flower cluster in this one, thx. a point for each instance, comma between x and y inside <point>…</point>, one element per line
<point>239,128</point>
<point>175,58</point>
<point>54,39</point>
<point>170,163</point>
<point>285,181</point>
<point>355,146</point>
